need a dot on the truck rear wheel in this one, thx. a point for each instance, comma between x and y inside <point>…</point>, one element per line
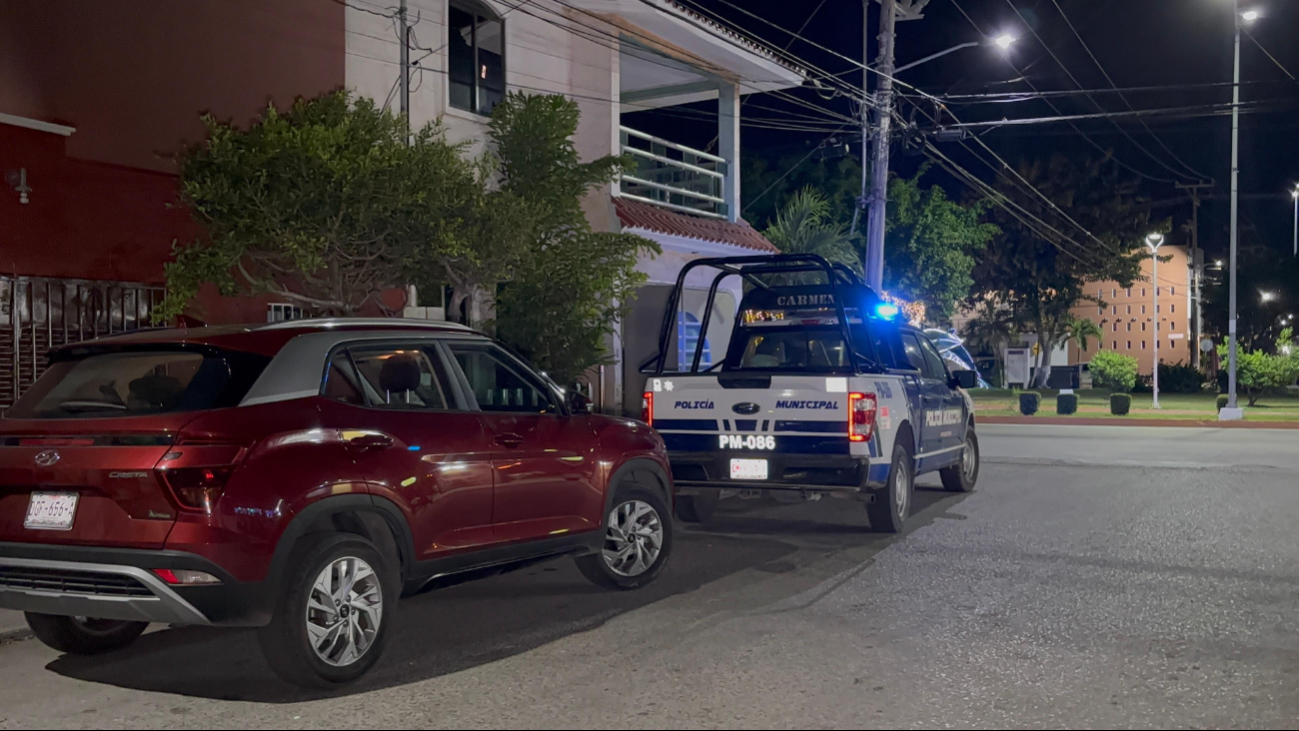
<point>698,508</point>
<point>961,476</point>
<point>888,513</point>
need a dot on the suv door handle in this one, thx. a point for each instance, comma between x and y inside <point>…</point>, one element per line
<point>508,440</point>
<point>370,441</point>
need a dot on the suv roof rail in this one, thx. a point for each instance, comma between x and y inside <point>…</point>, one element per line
<point>328,322</point>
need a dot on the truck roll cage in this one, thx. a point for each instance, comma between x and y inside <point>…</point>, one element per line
<point>837,275</point>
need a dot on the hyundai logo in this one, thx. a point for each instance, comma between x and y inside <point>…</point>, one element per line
<point>47,458</point>
<point>746,409</point>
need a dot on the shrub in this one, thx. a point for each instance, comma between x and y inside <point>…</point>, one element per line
<point>1120,404</point>
<point>1114,371</point>
<point>1222,401</point>
<point>1029,402</point>
<point>1180,378</point>
<point>1066,404</point>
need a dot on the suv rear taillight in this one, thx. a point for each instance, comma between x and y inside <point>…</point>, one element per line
<point>197,488</point>
<point>647,408</point>
<point>861,416</point>
<point>197,472</point>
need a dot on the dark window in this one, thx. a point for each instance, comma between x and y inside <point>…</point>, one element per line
<point>934,365</point>
<point>915,356</point>
<point>476,53</point>
<point>83,383</point>
<point>401,377</point>
<point>341,383</point>
<point>501,383</point>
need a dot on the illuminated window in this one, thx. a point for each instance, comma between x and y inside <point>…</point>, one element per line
<point>476,57</point>
<point>688,332</point>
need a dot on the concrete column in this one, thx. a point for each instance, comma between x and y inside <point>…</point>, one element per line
<point>728,145</point>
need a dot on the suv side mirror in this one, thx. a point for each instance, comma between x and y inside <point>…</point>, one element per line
<point>964,379</point>
<point>577,403</point>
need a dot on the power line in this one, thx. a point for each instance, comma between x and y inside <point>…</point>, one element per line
<point>1018,96</point>
<point>1056,109</point>
<point>1075,81</point>
<point>796,165</point>
<point>1218,109</point>
<point>1104,73</point>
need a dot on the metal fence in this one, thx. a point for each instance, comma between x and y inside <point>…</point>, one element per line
<point>38,313</point>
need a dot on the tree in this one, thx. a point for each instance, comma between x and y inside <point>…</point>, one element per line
<point>991,331</point>
<point>575,283</point>
<point>1259,372</point>
<point>804,226</point>
<point>1259,321</point>
<point>324,205</point>
<point>932,244</point>
<point>1081,330</point>
<point>771,180</point>
<point>1039,272</point>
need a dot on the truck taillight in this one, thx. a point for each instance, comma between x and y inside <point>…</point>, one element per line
<point>862,408</point>
<point>647,408</point>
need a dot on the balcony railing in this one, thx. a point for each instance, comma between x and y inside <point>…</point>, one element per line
<point>673,176</point>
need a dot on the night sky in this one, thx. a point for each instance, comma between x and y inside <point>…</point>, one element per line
<point>1139,42</point>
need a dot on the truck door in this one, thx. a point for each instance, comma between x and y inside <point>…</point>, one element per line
<point>933,399</point>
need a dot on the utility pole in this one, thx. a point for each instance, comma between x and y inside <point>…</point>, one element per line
<point>404,32</point>
<point>875,185</point>
<point>1197,270</point>
<point>1233,412</point>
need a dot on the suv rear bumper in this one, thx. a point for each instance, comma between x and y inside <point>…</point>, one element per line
<point>120,584</point>
<point>836,473</point>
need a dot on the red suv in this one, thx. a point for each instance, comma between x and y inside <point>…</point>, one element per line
<point>300,477</point>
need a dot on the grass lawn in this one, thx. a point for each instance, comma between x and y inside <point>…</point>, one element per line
<point>1096,402</point>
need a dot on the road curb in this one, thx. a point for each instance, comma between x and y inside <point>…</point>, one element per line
<point>1124,421</point>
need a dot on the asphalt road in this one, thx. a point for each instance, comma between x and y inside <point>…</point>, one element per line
<point>1098,593</point>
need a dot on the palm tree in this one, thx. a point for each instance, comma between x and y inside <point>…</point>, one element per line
<point>804,226</point>
<point>1081,330</point>
<point>992,331</point>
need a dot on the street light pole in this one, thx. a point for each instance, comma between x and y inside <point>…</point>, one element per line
<point>1153,242</point>
<point>1295,194</point>
<point>1233,412</point>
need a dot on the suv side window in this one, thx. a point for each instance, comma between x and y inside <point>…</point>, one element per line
<point>935,367</point>
<point>394,376</point>
<point>915,356</point>
<point>499,382</point>
<point>341,383</point>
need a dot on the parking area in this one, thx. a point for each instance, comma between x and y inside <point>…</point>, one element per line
<point>1100,593</point>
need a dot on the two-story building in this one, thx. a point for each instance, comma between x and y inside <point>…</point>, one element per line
<point>97,100</point>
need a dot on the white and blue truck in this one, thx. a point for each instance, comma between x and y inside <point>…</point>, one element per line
<point>823,391</point>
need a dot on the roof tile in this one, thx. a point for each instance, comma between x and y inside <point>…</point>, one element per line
<point>635,214</point>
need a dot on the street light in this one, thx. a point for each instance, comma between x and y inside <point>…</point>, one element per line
<point>1153,242</point>
<point>1232,411</point>
<point>1268,296</point>
<point>1295,194</point>
<point>1003,41</point>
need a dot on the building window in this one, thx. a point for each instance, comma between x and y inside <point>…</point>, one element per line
<point>1100,309</point>
<point>1129,345</point>
<point>1116,326</point>
<point>1115,310</point>
<point>1172,308</point>
<point>1143,327</point>
<point>281,311</point>
<point>1143,345</point>
<point>1114,292</point>
<point>1129,327</point>
<point>1172,326</point>
<point>1129,291</point>
<point>1172,291</point>
<point>688,331</point>
<point>1143,309</point>
<point>1129,309</point>
<point>476,54</point>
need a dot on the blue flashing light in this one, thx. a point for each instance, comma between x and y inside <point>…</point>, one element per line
<point>886,310</point>
<point>412,449</point>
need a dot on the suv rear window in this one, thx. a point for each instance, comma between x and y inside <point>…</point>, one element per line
<point>795,348</point>
<point>107,384</point>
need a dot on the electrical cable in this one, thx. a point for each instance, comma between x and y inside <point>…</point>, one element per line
<point>1104,73</point>
<point>794,167</point>
<point>1269,55</point>
<point>1078,84</point>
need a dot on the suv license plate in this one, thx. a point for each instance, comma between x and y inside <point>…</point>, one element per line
<point>51,511</point>
<point>748,469</point>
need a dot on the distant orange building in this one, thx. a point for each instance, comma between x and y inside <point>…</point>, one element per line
<point>1128,315</point>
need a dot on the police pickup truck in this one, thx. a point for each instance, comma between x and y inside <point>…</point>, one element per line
<point>822,391</point>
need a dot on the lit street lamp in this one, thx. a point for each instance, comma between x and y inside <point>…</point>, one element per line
<point>1268,296</point>
<point>1153,242</point>
<point>1295,194</point>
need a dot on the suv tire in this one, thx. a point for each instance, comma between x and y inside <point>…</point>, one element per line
<point>637,540</point>
<point>83,635</point>
<point>962,476</point>
<point>698,508</point>
<point>313,645</point>
<point>888,513</point>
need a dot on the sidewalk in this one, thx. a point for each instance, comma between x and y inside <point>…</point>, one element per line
<point>1134,421</point>
<point>12,625</point>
